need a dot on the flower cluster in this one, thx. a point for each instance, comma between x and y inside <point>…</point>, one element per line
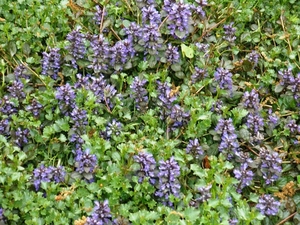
<point>245,175</point>
<point>99,14</point>
<point>7,107</point>
<point>51,63</point>
<point>103,91</point>
<point>178,117</point>
<point>217,107</point>
<point>101,214</point>
<point>4,127</point>
<point>267,205</point>
<point>66,98</point>
<point>179,16</point>
<point>229,144</point>
<point>21,72</point>
<point>76,48</point>
<point>293,127</point>
<point>48,174</point>
<point>204,193</point>
<point>169,170</point>
<point>172,54</point>
<point>151,39</point>
<point>229,32</point>
<point>199,74</point>
<point>139,93</point>
<point>255,124</point>
<point>251,100</point>
<point>147,167</point>
<point>165,98</point>
<point>253,57</point>
<point>194,148</point>
<point>134,32</point>
<point>223,78</point>
<point>85,163</point>
<point>3,220</point>
<point>286,77</point>
<point>100,49</point>
<point>35,107</point>
<point>151,15</point>
<point>270,165</point>
<point>112,128</point>
<point>17,90</point>
<point>21,137</point>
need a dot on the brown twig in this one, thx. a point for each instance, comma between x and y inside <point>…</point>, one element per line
<point>286,219</point>
<point>286,34</point>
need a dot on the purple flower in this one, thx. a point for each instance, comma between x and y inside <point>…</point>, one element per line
<point>168,183</point>
<point>40,174</point>
<point>21,72</point>
<point>194,148</point>
<point>179,16</point>
<point>120,53</point>
<point>253,58</point>
<point>7,107</point>
<point>17,90</point>
<point>172,54</point>
<point>4,127</point>
<point>147,166</point>
<point>85,162</point>
<point>79,118</point>
<point>199,74</point>
<point>255,122</point>
<point>165,98</point>
<point>223,78</point>
<point>267,205</point>
<point>295,87</point>
<point>229,32</point>
<point>3,220</point>
<point>139,93</point>
<point>286,77</point>
<point>57,174</point>
<point>293,127</point>
<point>134,32</point>
<point>101,214</point>
<point>178,117</point>
<point>229,143</point>
<point>217,107</point>
<point>100,48</point>
<point>225,126</point>
<point>113,128</point>
<point>82,81</point>
<point>205,193</point>
<point>150,14</point>
<point>273,119</point>
<point>99,14</point>
<point>244,175</point>
<point>35,107</point>
<point>151,39</point>
<point>21,137</point>
<point>76,47</point>
<point>51,63</point>
<point>270,166</point>
<point>66,98</point>
<point>251,100</point>
<point>203,48</point>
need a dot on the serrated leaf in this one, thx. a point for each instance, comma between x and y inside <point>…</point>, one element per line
<point>187,51</point>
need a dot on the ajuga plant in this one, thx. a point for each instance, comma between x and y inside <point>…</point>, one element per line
<point>149,112</point>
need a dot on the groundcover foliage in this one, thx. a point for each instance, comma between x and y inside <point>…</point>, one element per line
<point>149,112</point>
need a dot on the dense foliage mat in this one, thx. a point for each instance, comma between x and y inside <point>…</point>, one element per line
<point>149,112</point>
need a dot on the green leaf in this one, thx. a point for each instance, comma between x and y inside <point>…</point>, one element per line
<point>187,51</point>
<point>12,48</point>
